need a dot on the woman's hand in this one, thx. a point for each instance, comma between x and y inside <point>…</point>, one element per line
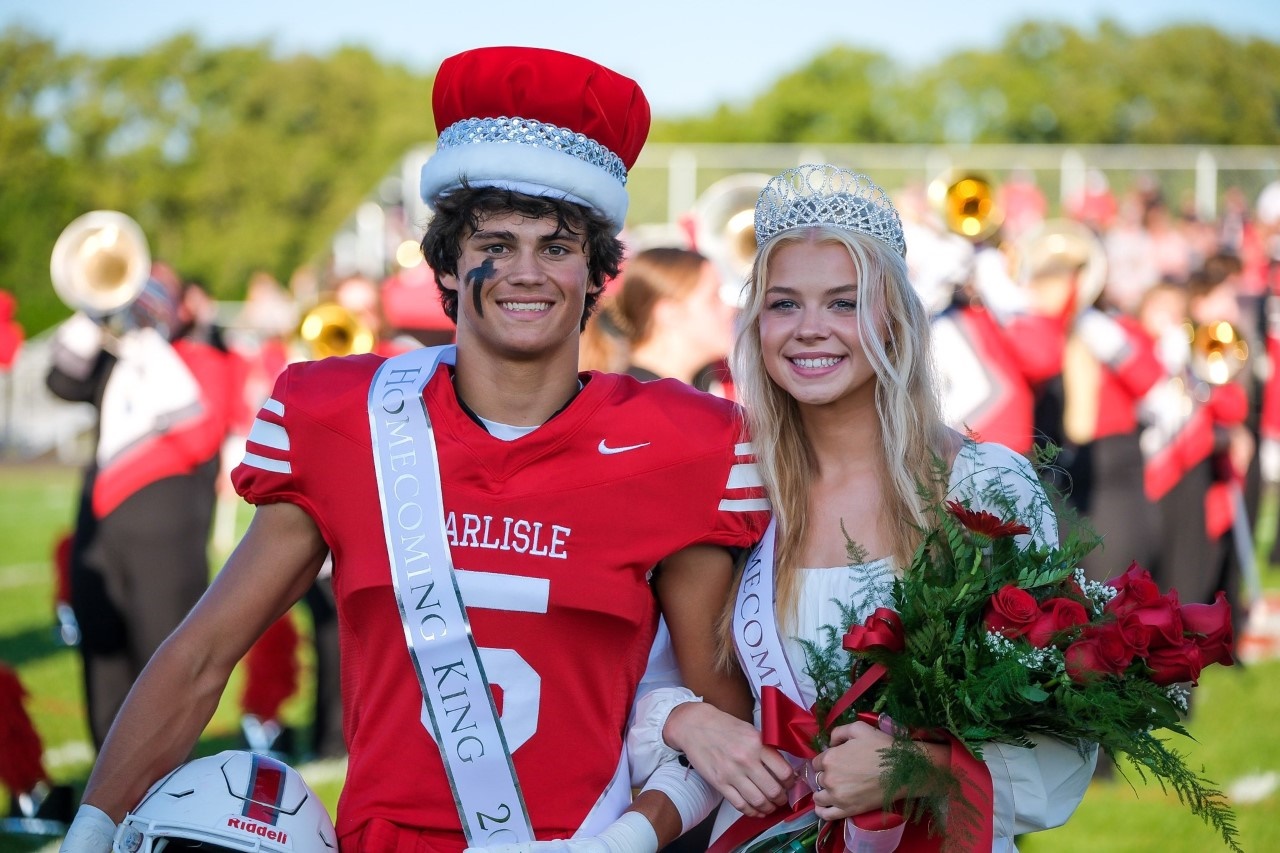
<point>849,772</point>
<point>729,754</point>
<point>850,769</point>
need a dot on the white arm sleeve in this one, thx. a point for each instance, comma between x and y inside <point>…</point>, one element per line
<point>660,690</point>
<point>1037,788</point>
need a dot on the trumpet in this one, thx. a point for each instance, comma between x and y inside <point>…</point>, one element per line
<point>330,329</point>
<point>968,205</point>
<point>1218,352</point>
<point>100,263</point>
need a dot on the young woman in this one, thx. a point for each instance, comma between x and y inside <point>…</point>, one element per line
<point>834,368</point>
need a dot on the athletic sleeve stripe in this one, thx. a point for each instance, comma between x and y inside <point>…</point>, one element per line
<point>744,448</point>
<point>744,505</point>
<point>744,477</point>
<point>274,406</point>
<point>269,435</point>
<point>279,466</point>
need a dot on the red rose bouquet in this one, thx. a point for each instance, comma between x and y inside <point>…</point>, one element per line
<point>988,641</point>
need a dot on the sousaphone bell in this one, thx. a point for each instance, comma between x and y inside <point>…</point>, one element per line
<point>100,263</point>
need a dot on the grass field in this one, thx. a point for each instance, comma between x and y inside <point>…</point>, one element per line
<point>1237,737</point>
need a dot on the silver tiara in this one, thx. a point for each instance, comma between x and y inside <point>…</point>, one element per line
<point>828,195</point>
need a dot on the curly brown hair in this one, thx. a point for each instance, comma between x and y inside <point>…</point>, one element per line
<point>462,211</point>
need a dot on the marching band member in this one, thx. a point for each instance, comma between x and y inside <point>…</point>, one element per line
<point>665,319</point>
<point>1090,411</point>
<point>139,560</point>
<point>1226,382</point>
<point>1177,442</point>
<point>994,346</point>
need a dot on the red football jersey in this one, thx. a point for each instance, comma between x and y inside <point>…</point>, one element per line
<point>553,536</point>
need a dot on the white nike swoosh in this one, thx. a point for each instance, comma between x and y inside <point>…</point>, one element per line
<point>607,450</point>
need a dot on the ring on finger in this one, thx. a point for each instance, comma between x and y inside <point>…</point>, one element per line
<point>818,780</point>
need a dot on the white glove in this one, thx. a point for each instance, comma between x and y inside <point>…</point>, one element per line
<point>91,832</point>
<point>76,345</point>
<point>631,833</point>
<point>1104,337</point>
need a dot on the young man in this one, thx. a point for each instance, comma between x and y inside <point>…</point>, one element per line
<point>539,498</point>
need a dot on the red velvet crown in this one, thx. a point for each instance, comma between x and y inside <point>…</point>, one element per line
<point>547,86</point>
<point>538,122</point>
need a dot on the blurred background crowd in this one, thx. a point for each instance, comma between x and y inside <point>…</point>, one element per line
<point>1092,217</point>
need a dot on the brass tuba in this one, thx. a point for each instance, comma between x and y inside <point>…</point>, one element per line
<point>100,263</point>
<point>1058,247</point>
<point>1218,352</point>
<point>330,329</point>
<point>967,204</point>
<point>724,220</point>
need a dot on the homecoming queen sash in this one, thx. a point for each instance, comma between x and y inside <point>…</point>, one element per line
<point>755,623</point>
<point>463,720</point>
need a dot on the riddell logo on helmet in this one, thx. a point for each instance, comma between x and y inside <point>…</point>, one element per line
<point>262,830</point>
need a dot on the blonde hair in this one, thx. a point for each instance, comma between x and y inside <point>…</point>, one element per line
<point>894,329</point>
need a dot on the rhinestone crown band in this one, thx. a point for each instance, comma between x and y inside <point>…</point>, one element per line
<point>828,195</point>
<point>530,132</point>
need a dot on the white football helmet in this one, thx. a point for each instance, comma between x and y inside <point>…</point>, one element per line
<point>234,800</point>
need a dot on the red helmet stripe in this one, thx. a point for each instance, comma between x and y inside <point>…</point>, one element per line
<point>266,790</point>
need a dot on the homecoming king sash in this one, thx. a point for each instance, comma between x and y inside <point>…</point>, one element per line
<point>463,720</point>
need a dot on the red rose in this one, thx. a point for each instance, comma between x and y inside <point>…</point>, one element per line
<point>1209,626</point>
<point>1102,650</point>
<point>1135,588</point>
<point>1162,620</point>
<point>1171,664</point>
<point>1056,616</point>
<point>881,630</point>
<point>1136,634</point>
<point>1011,612</point>
<point>1138,594</point>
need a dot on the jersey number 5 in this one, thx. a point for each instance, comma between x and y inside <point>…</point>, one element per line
<point>505,668</point>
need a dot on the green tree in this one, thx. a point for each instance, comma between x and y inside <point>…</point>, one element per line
<point>232,160</point>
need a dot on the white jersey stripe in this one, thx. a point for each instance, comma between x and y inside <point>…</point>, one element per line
<point>253,460</point>
<point>743,448</point>
<point>274,406</point>
<point>269,435</point>
<point>744,477</point>
<point>746,505</point>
